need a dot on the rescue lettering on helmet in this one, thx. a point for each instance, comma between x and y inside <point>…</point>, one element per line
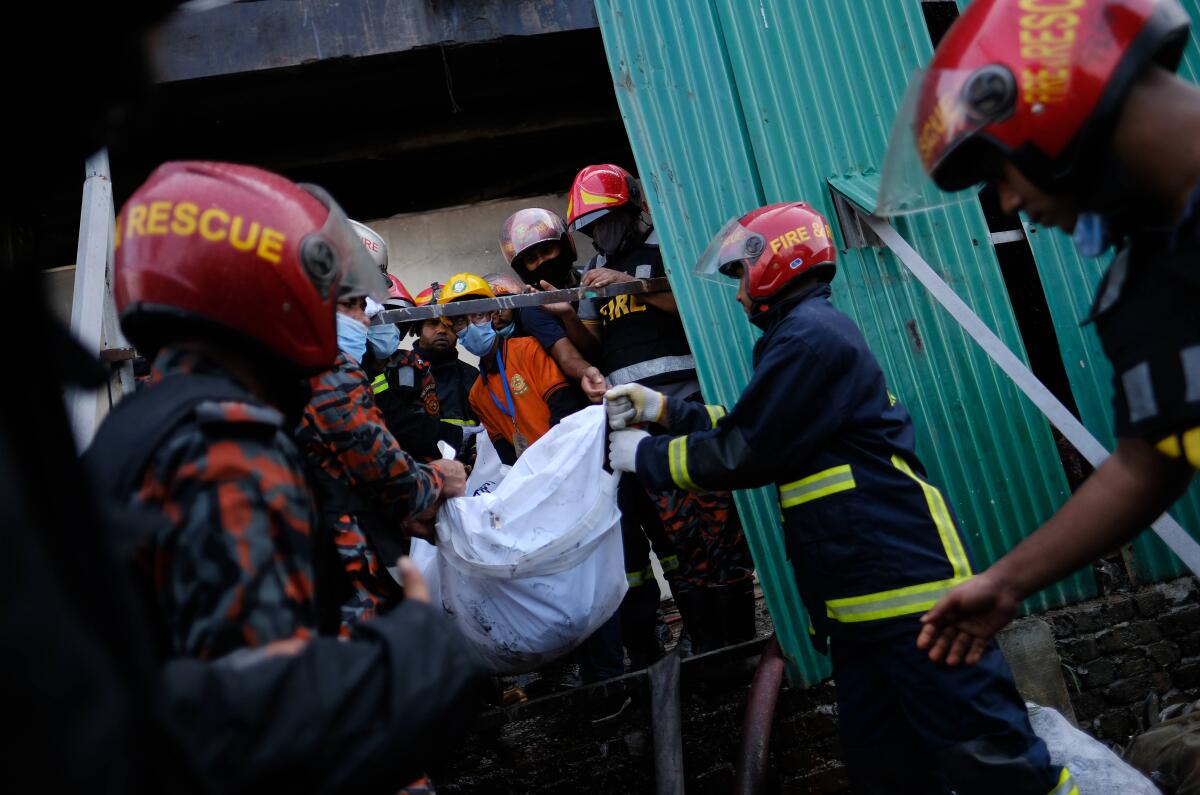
<point>185,219</point>
<point>801,234</point>
<point>1047,36</point>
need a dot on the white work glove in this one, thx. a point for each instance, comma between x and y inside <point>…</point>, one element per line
<point>622,449</point>
<point>630,404</point>
<point>471,430</point>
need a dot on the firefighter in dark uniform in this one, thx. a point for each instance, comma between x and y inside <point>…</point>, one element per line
<point>452,377</point>
<point>1107,161</point>
<point>872,541</point>
<point>436,343</point>
<point>407,392</point>
<point>697,538</point>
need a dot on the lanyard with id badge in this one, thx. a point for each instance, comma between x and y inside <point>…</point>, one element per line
<point>519,441</point>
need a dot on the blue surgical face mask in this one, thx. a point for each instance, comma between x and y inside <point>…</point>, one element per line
<point>1091,234</point>
<point>351,337</point>
<point>478,338</point>
<point>384,339</point>
<point>507,331</point>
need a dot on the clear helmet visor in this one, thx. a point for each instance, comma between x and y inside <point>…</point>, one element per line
<point>933,151</point>
<point>337,250</point>
<point>733,246</point>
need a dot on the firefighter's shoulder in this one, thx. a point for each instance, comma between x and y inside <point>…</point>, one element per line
<point>239,417</point>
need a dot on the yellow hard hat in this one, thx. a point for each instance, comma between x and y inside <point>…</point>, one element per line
<point>464,285</point>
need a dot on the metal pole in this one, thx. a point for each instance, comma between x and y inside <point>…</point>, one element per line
<point>91,288</point>
<point>1170,531</point>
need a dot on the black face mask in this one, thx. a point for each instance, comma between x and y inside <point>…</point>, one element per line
<point>556,272</point>
<point>612,234</point>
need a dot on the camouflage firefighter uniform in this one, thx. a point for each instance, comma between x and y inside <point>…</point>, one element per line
<point>369,487</point>
<point>706,532</point>
<point>231,565</point>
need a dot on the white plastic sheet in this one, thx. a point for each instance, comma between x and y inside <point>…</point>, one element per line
<point>1095,769</point>
<point>530,562</point>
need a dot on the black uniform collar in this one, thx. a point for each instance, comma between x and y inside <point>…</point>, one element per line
<point>767,320</point>
<point>1149,246</point>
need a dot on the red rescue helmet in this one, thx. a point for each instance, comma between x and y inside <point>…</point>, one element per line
<point>398,295</point>
<point>598,190</point>
<point>217,250</point>
<point>774,246</point>
<point>1039,83</point>
<point>429,295</point>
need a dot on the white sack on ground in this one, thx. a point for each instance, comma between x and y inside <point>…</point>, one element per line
<point>1095,769</point>
<point>530,563</point>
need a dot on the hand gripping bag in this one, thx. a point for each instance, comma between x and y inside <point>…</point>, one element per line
<point>532,564</point>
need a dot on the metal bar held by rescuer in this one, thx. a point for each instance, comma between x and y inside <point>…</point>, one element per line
<point>481,305</point>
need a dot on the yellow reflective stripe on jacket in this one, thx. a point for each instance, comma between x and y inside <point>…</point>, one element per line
<point>677,460</point>
<point>669,563</point>
<point>814,487</point>
<point>379,384</point>
<point>463,423</point>
<point>889,604</point>
<point>715,413</point>
<point>1066,785</point>
<point>951,542</point>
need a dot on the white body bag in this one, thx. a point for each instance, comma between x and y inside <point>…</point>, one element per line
<point>530,562</point>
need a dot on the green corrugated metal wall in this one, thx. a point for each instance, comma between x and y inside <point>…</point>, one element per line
<point>1069,282</point>
<point>731,104</point>
<point>683,114</point>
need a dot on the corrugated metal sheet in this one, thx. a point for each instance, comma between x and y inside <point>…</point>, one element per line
<point>684,122</point>
<point>732,104</point>
<point>1070,281</point>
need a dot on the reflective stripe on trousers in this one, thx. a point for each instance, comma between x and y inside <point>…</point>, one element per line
<point>379,384</point>
<point>635,578</point>
<point>651,368</point>
<point>1066,784</point>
